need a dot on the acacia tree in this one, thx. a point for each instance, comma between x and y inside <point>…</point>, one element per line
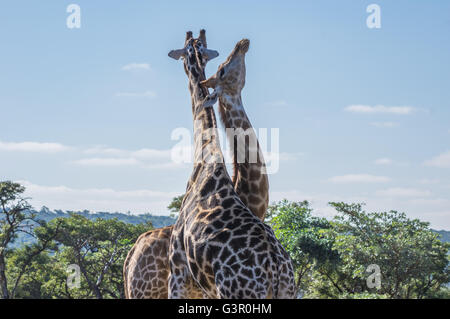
<point>413,262</point>
<point>99,248</point>
<point>24,257</point>
<point>331,257</point>
<point>15,217</point>
<point>304,238</point>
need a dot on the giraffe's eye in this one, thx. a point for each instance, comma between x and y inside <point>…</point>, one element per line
<point>221,73</point>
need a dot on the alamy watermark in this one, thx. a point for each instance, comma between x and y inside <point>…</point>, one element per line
<point>373,21</point>
<point>74,276</point>
<point>252,146</point>
<point>374,279</point>
<point>73,21</point>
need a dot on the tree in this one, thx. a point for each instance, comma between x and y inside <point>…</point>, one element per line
<point>99,248</point>
<point>331,257</point>
<point>24,256</point>
<point>15,217</point>
<point>175,205</point>
<point>304,238</point>
<point>412,260</point>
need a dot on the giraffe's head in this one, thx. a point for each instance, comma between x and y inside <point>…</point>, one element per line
<point>195,55</point>
<point>230,76</point>
<point>194,49</point>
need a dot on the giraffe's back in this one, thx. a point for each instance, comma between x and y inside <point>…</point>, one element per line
<point>229,251</point>
<point>146,268</point>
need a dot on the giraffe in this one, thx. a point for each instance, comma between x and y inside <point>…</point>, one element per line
<point>249,173</point>
<point>146,267</point>
<point>217,242</point>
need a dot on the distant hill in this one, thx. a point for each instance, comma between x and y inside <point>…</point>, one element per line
<point>156,220</point>
<point>445,235</point>
<point>47,215</point>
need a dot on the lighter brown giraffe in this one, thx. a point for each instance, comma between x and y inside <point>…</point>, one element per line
<point>249,178</point>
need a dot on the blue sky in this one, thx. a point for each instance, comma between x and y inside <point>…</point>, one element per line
<point>363,114</point>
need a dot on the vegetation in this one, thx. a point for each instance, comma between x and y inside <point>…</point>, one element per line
<point>40,269</point>
<point>175,206</point>
<point>332,258</point>
<point>45,254</point>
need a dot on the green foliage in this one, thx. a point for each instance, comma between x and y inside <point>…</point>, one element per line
<point>303,236</point>
<point>413,261</point>
<point>15,218</point>
<point>14,213</point>
<point>330,256</point>
<point>363,295</point>
<point>99,247</point>
<point>175,206</point>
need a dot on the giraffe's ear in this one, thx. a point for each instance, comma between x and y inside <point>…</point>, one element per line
<point>211,54</point>
<point>176,54</point>
<point>210,83</point>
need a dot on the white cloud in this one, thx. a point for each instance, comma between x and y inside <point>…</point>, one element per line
<point>429,181</point>
<point>167,165</point>
<point>442,160</point>
<point>384,124</point>
<point>367,109</point>
<point>146,94</point>
<point>359,178</point>
<point>136,66</point>
<point>102,150</point>
<point>33,147</point>
<point>433,202</point>
<point>383,161</point>
<point>98,199</point>
<point>403,192</point>
<point>106,162</point>
<point>144,158</point>
<point>147,153</point>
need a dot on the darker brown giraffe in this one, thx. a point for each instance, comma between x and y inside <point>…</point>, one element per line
<point>217,242</point>
<point>146,267</point>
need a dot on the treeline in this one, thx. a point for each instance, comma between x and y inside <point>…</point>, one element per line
<point>360,254</point>
<point>46,215</point>
<point>44,268</point>
<point>74,255</point>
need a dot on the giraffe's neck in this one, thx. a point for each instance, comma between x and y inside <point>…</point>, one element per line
<point>249,177</point>
<point>206,142</point>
